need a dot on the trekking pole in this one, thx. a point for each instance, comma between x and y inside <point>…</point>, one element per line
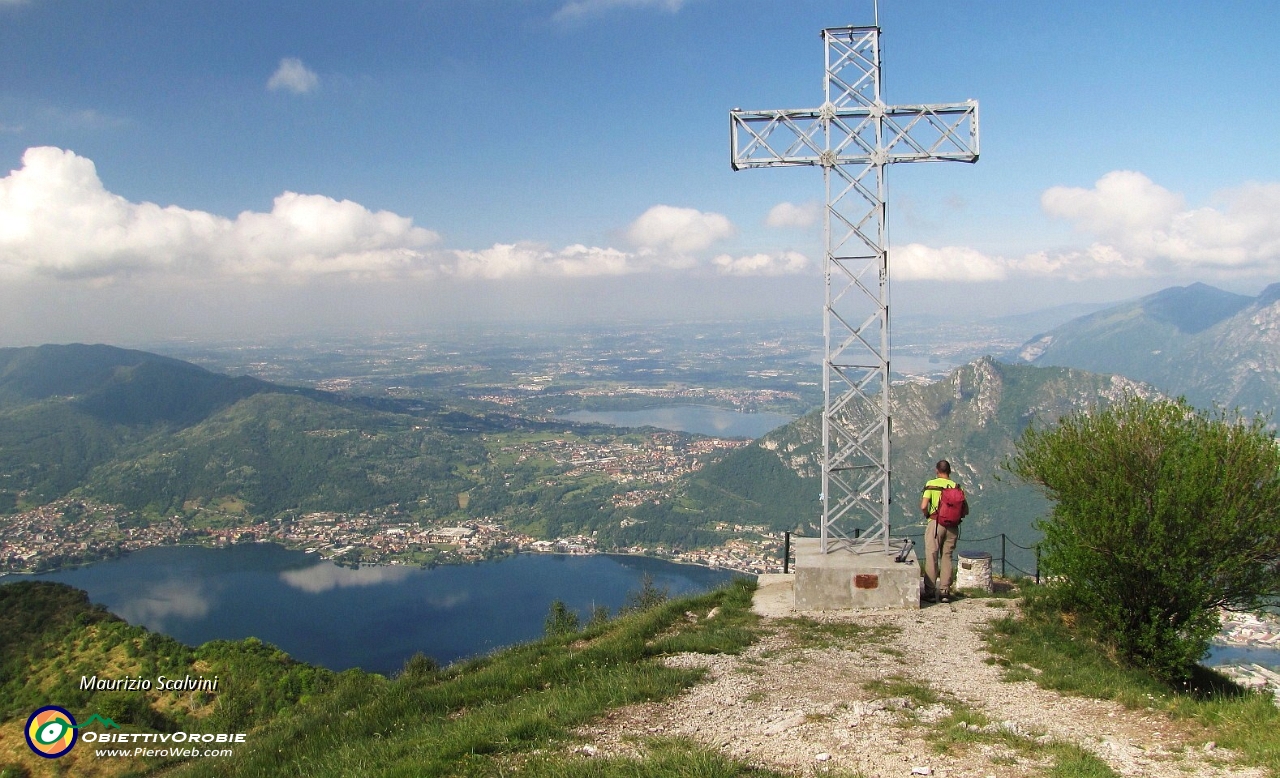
<point>786,552</point>
<point>1003,572</point>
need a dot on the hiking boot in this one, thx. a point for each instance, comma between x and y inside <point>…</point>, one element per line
<point>944,597</point>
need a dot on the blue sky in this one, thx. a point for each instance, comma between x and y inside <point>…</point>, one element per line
<point>385,165</point>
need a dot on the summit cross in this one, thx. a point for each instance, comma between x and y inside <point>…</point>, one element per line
<point>853,136</point>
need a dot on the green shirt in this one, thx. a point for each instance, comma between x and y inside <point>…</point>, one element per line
<point>935,495</point>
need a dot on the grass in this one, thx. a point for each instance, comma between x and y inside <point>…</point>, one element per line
<point>921,694</point>
<point>1051,649</point>
<point>510,713</point>
<point>673,758</point>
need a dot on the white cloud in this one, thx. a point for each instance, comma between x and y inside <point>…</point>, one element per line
<point>792,215</point>
<point>293,76</point>
<point>577,9</point>
<point>1138,227</point>
<point>682,230</point>
<point>784,263</point>
<point>505,260</point>
<point>57,218</point>
<point>1144,223</point>
<point>916,262</point>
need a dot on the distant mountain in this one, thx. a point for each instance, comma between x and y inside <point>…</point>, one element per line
<point>971,418</point>
<point>1045,319</point>
<point>120,386</point>
<point>160,436</point>
<point>1209,345</point>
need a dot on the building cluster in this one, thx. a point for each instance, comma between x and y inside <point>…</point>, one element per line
<point>71,531</point>
<point>1250,629</point>
<point>372,539</point>
<point>745,400</point>
<point>655,458</point>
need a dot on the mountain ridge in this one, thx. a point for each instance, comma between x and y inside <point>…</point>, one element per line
<point>1211,346</point>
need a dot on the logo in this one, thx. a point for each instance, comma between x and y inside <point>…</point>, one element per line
<point>51,732</point>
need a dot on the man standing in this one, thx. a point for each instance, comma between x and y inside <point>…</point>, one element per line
<point>944,505</point>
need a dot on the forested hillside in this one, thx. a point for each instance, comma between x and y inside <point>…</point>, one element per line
<point>972,418</point>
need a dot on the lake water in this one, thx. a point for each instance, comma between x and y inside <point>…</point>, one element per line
<point>1243,655</point>
<point>374,617</point>
<point>700,419</point>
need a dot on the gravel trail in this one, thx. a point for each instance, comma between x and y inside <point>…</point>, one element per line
<point>809,711</point>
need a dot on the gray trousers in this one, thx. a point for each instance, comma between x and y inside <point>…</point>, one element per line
<point>939,541</point>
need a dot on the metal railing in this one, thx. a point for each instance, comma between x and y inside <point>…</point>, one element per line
<point>1030,559</point>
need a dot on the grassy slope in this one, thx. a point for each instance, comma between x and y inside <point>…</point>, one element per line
<point>51,636</point>
<point>1057,651</point>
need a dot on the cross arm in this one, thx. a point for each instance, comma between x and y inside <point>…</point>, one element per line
<point>876,134</point>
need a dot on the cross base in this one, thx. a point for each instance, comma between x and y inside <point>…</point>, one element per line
<point>843,580</point>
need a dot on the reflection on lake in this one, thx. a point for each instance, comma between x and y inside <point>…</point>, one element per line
<point>324,576</point>
<point>700,419</point>
<point>169,599</point>
<point>372,617</point>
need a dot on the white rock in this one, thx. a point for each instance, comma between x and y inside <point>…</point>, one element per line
<point>823,757</point>
<point>587,750</point>
<point>921,771</point>
<point>778,727</point>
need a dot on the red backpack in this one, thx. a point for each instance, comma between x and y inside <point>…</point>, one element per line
<point>952,506</point>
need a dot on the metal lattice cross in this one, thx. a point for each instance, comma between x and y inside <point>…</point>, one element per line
<point>852,137</point>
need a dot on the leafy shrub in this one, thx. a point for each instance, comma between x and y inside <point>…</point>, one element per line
<point>1162,515</point>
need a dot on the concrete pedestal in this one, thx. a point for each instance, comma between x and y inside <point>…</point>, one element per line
<point>843,580</point>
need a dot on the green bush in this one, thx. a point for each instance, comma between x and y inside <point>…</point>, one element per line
<point>560,620</point>
<point>1162,515</point>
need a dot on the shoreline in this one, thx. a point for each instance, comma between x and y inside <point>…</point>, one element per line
<point>389,563</point>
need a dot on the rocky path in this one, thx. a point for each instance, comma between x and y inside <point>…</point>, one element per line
<point>812,697</point>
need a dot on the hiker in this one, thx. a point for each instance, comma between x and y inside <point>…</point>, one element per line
<point>943,505</point>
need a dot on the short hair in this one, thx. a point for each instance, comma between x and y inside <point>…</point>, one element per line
<point>943,467</point>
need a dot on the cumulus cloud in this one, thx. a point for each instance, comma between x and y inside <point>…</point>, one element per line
<point>57,218</point>
<point>577,9</point>
<point>1137,228</point>
<point>1146,223</point>
<point>681,230</point>
<point>293,76</point>
<point>792,215</point>
<point>784,263</point>
<point>916,262</point>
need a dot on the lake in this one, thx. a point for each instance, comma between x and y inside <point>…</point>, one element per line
<point>1242,655</point>
<point>700,419</point>
<point>373,617</point>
